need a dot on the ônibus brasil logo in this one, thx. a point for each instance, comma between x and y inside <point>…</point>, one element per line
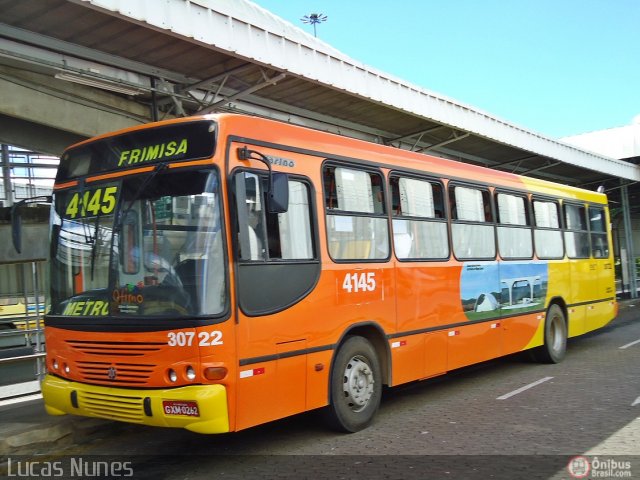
<point>579,467</point>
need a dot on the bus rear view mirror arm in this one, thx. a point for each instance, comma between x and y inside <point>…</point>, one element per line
<point>278,195</point>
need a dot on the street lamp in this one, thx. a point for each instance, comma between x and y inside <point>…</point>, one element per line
<point>314,19</point>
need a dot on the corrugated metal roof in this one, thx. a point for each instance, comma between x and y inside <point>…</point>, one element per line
<point>231,50</point>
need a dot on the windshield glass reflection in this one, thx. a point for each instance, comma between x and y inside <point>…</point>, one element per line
<point>157,253</point>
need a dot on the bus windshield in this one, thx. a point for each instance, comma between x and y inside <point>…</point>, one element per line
<point>149,245</point>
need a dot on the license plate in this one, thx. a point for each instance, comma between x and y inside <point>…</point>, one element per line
<point>179,407</point>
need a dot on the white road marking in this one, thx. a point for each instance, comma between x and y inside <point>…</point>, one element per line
<point>522,389</point>
<point>12,401</point>
<point>636,402</point>
<point>622,442</point>
<point>629,344</point>
<point>17,389</point>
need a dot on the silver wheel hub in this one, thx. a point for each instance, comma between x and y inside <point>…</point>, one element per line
<point>358,383</point>
<point>556,335</point>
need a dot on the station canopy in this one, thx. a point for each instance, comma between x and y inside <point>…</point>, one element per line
<point>199,56</point>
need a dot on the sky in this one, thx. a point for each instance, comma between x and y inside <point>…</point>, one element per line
<point>556,67</point>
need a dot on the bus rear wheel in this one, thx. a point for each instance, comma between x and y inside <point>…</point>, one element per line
<point>555,337</point>
<point>356,386</point>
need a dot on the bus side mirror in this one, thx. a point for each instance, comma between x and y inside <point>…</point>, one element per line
<point>278,194</point>
<point>278,199</point>
<point>16,227</point>
<point>16,218</point>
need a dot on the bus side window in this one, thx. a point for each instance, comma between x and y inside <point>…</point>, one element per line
<point>471,225</point>
<point>289,234</point>
<point>250,216</point>
<point>547,236</point>
<point>514,228</point>
<point>265,236</point>
<point>286,268</point>
<point>576,236</point>
<point>598,228</point>
<point>357,226</point>
<point>419,229</point>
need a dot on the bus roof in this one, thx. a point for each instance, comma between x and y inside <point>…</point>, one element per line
<point>337,146</point>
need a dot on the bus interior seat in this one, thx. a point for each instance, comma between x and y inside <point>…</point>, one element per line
<point>187,271</point>
<point>355,249</point>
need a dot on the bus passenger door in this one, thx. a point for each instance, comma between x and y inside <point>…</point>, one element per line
<point>581,275</point>
<point>581,266</point>
<point>602,310</point>
<point>276,267</point>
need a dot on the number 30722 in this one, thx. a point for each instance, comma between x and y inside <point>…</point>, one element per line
<point>186,339</point>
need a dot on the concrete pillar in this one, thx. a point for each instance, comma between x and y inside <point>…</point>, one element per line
<point>628,240</point>
<point>154,101</point>
<point>6,175</point>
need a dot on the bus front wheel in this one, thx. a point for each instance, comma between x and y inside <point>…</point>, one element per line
<point>356,386</point>
<point>555,337</point>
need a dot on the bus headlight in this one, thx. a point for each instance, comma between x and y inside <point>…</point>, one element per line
<point>173,376</point>
<point>191,373</point>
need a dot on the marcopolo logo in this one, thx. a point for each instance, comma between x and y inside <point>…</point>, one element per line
<point>598,467</point>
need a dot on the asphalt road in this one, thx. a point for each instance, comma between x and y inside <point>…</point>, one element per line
<point>478,422</point>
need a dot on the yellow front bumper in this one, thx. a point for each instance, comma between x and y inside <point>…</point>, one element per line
<point>139,406</point>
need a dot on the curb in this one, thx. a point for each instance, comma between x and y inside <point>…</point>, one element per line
<point>39,433</point>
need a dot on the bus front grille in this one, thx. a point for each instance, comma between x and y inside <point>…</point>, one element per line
<point>110,373</point>
<point>113,407</point>
<point>110,349</point>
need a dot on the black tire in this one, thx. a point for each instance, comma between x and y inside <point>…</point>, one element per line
<point>355,386</point>
<point>555,337</point>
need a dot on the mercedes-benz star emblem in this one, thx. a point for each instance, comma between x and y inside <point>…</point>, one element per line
<point>112,373</point>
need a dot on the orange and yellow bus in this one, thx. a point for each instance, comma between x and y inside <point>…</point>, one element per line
<point>214,273</point>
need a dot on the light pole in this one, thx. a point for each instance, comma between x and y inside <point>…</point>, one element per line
<point>314,19</point>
